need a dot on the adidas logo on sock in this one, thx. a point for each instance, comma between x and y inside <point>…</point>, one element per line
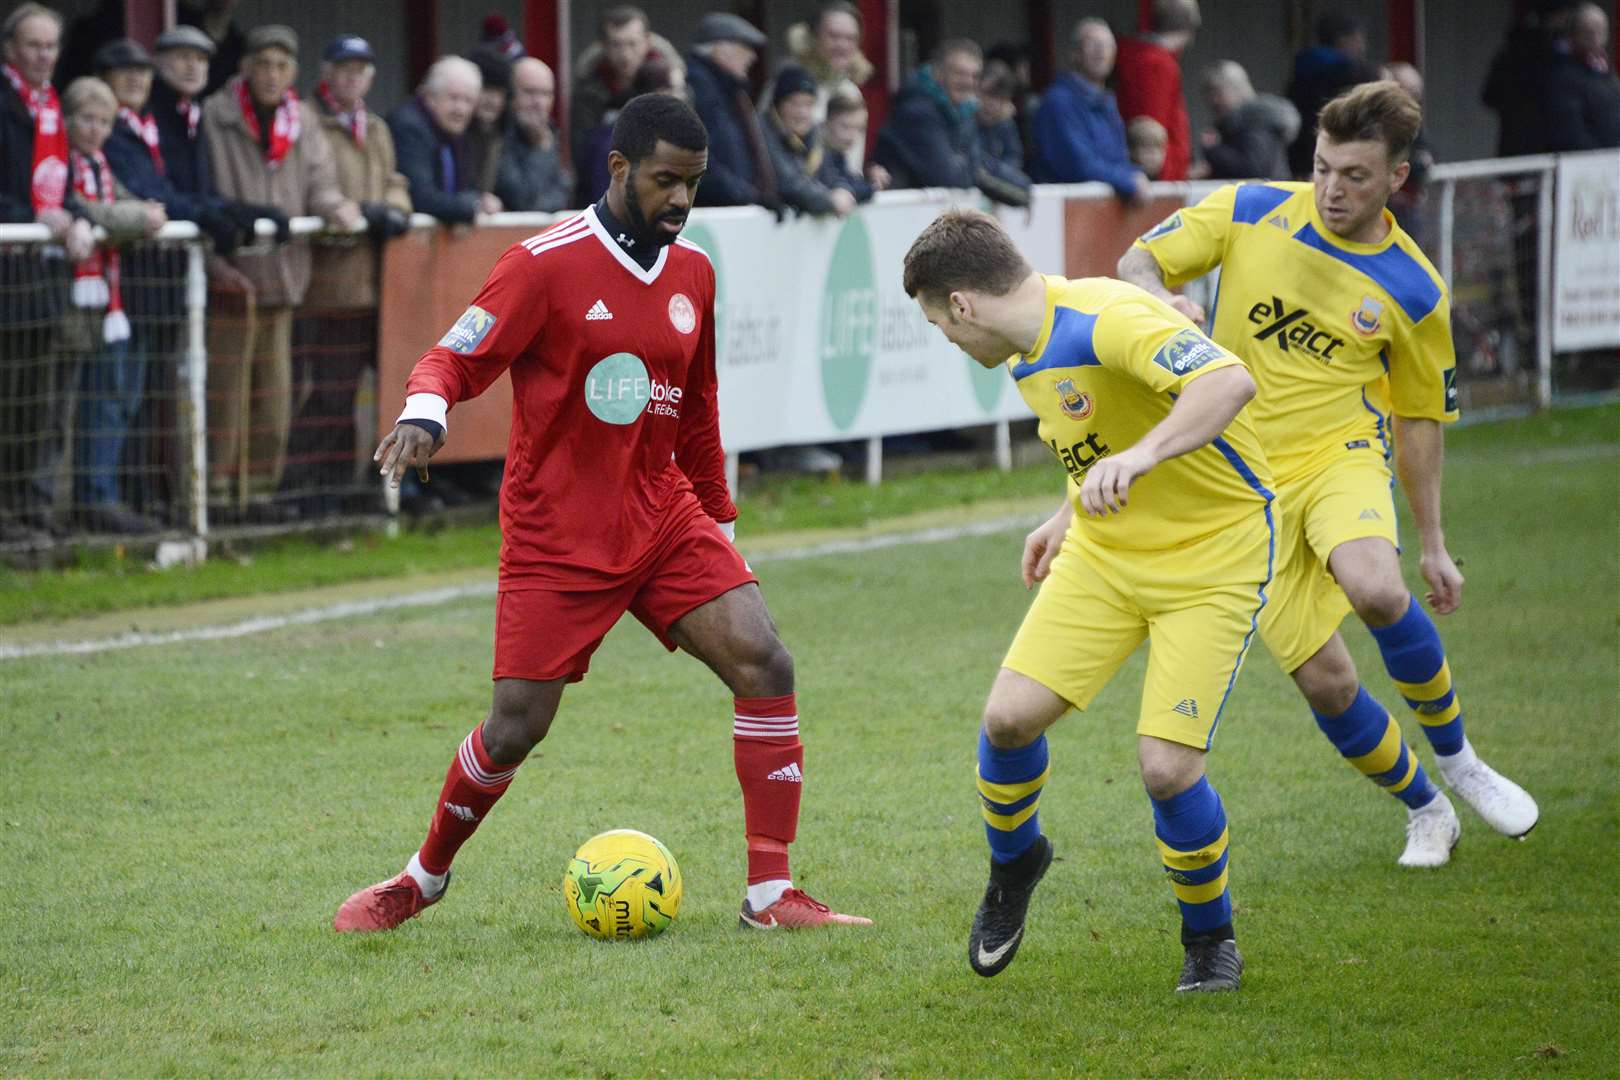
<point>598,311</point>
<point>1186,707</point>
<point>789,772</point>
<point>463,812</point>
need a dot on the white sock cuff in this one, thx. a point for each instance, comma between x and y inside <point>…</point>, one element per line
<point>430,884</point>
<point>765,893</point>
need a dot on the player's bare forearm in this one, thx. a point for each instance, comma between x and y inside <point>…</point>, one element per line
<point>1419,462</point>
<point>1141,269</point>
<point>1206,407</point>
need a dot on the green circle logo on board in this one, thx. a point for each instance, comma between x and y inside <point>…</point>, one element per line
<point>988,383</point>
<point>617,389</point>
<point>848,343</point>
<point>705,238</point>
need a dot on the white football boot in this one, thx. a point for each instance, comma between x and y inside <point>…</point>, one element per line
<point>1505,806</point>
<point>1431,833</point>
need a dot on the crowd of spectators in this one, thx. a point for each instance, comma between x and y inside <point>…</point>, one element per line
<point>210,128</point>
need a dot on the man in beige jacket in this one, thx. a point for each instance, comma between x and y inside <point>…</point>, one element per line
<point>265,146</point>
<point>334,427</point>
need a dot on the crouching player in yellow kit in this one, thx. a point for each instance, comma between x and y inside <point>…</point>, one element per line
<point>1347,329</point>
<point>1173,544</point>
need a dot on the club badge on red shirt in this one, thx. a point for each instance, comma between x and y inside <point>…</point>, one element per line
<point>682,315</point>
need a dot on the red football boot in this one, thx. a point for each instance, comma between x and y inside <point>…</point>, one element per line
<point>384,905</point>
<point>796,910</point>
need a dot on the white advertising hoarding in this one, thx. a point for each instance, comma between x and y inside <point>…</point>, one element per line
<point>817,340</point>
<point>1586,252</point>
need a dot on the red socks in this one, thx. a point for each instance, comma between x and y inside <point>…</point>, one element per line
<point>770,767</point>
<point>473,785</point>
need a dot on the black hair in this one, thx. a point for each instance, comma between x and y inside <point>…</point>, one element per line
<point>651,117</point>
<point>1334,26</point>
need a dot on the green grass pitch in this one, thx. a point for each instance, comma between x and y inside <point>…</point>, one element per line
<point>177,825</point>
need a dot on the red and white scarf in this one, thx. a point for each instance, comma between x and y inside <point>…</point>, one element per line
<point>193,114</point>
<point>95,280</point>
<point>355,121</point>
<point>146,130</point>
<point>50,172</point>
<point>284,128</point>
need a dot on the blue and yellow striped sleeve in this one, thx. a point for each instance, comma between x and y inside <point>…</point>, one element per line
<point>1192,241</point>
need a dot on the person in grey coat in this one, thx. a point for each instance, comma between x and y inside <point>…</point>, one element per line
<point>1252,131</point>
<point>531,175</point>
<point>795,146</point>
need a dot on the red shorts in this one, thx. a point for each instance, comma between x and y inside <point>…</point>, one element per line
<point>545,634</point>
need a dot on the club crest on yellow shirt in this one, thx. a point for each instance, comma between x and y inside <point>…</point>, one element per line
<point>1076,404</point>
<point>1365,319</point>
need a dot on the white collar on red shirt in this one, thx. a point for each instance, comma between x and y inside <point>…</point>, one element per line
<point>646,277</point>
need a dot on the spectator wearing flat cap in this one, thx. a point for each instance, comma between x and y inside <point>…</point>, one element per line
<point>724,48</point>
<point>265,145</point>
<point>487,132</point>
<point>605,74</point>
<point>795,146</point>
<point>216,20</point>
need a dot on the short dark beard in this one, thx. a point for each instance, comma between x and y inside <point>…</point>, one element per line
<point>640,227</point>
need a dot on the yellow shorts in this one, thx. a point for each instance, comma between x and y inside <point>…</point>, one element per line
<point>1196,604</point>
<point>1350,500</point>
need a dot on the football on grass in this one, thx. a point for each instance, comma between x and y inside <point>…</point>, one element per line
<point>622,884</point>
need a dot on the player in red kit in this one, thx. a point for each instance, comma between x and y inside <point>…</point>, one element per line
<point>615,500</point>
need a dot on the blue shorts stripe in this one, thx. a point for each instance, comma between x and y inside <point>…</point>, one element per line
<point>1254,623</point>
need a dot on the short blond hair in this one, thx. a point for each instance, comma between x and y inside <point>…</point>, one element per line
<point>88,90</point>
<point>1144,131</point>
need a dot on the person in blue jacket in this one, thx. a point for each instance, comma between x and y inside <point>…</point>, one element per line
<point>1079,135</point>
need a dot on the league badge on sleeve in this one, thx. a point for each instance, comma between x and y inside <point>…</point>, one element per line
<point>1168,225</point>
<point>1186,352</point>
<point>469,331</point>
<point>1365,319</point>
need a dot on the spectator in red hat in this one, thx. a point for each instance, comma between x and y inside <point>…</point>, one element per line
<point>497,34</point>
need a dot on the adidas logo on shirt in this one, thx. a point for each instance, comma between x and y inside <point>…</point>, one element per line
<point>598,311</point>
<point>1278,221</point>
<point>789,772</point>
<point>1370,514</point>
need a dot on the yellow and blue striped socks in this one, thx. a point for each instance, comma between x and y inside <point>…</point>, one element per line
<point>1370,739</point>
<point>1416,660</point>
<point>1191,832</point>
<point>1010,783</point>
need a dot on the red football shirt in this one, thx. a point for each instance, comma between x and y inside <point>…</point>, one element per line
<point>615,418</point>
<point>1149,84</point>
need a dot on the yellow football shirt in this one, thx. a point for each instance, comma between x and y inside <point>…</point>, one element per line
<point>1106,368</point>
<point>1337,334</point>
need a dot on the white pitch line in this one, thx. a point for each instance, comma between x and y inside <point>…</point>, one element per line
<point>429,597</point>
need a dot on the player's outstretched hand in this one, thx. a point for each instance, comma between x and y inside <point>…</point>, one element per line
<point>1042,545</point>
<point>1108,481</point>
<point>1190,308</point>
<point>406,446</point>
<point>1445,581</point>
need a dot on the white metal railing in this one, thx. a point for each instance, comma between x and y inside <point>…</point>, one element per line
<point>1544,166</point>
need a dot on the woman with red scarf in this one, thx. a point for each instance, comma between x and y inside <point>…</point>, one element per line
<point>95,332</point>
